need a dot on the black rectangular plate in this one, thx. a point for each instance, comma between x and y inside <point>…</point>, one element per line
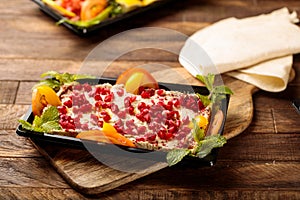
<point>85,31</point>
<point>72,142</point>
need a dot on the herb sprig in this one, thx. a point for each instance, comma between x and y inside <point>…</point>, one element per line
<point>205,144</point>
<point>55,79</point>
<point>47,122</point>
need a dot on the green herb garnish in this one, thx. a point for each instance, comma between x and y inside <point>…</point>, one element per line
<point>205,144</point>
<point>47,122</point>
<point>55,79</point>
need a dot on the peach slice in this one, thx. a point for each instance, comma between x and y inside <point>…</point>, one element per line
<point>134,78</point>
<point>108,135</point>
<point>43,96</point>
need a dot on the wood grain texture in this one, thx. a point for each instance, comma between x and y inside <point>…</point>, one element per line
<point>12,145</point>
<point>8,91</point>
<point>10,114</point>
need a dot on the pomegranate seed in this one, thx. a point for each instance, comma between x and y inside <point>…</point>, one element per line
<point>62,109</point>
<point>162,134</point>
<point>131,110</point>
<point>105,105</point>
<point>118,129</point>
<point>132,99</point>
<point>98,104</point>
<point>127,102</point>
<point>86,108</point>
<point>176,103</point>
<point>94,117</point>
<point>122,114</point>
<point>114,108</point>
<point>141,129</point>
<point>100,123</point>
<point>141,106</point>
<point>120,92</point>
<point>87,87</point>
<point>145,111</point>
<point>160,92</point>
<point>106,118</point>
<point>84,127</point>
<point>145,95</point>
<point>104,91</point>
<point>168,136</point>
<point>141,89</point>
<point>141,139</point>
<point>147,118</point>
<point>140,117</point>
<point>151,137</point>
<point>130,123</point>
<point>108,98</point>
<point>200,105</point>
<point>78,87</point>
<point>98,97</point>
<point>98,90</point>
<point>68,103</point>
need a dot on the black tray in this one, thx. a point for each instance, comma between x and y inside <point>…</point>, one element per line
<point>85,31</point>
<point>72,142</point>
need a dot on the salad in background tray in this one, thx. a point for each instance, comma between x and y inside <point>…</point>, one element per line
<point>84,16</point>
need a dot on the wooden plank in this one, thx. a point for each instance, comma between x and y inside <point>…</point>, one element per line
<point>12,145</point>
<point>34,68</point>
<point>225,175</point>
<point>10,114</point>
<point>261,147</point>
<point>35,172</point>
<point>8,91</point>
<point>208,194</point>
<point>29,172</point>
<point>170,194</point>
<point>263,121</point>
<point>25,92</point>
<point>286,120</point>
<point>39,193</point>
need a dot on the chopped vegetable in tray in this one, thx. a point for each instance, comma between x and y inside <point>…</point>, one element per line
<point>86,13</point>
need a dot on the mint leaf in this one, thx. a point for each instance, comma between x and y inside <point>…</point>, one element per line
<point>26,125</point>
<point>48,122</point>
<point>197,132</point>
<point>204,99</point>
<point>50,126</point>
<point>176,155</point>
<point>55,80</point>
<point>207,80</point>
<point>50,114</point>
<point>205,146</point>
<point>37,122</point>
<point>222,89</point>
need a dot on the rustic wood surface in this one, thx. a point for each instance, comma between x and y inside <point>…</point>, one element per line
<point>263,162</point>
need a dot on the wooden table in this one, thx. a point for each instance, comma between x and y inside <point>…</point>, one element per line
<point>263,162</point>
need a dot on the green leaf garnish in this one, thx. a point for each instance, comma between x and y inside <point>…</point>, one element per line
<point>205,146</point>
<point>47,122</point>
<point>204,99</point>
<point>216,92</point>
<point>55,80</point>
<point>176,155</point>
<point>197,132</point>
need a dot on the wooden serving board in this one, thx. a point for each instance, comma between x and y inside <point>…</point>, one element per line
<point>87,175</point>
